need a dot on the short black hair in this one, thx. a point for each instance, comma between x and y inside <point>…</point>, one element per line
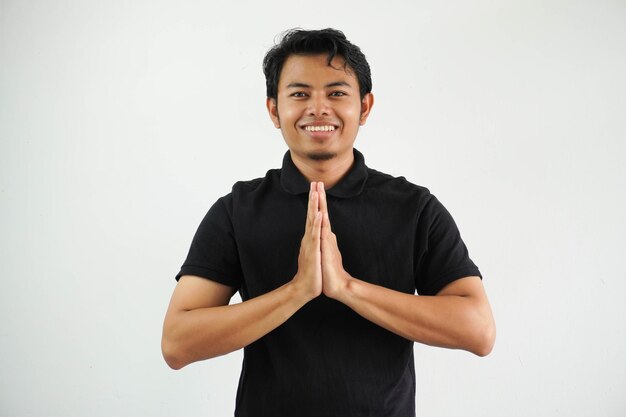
<point>331,42</point>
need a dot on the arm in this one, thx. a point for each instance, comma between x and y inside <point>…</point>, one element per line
<point>459,316</point>
<point>199,323</point>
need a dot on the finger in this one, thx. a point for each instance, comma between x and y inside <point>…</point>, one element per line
<point>317,187</point>
<point>323,202</point>
<point>316,231</point>
<point>326,229</point>
<point>317,225</point>
<point>312,209</point>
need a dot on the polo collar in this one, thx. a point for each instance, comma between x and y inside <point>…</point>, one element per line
<point>292,180</point>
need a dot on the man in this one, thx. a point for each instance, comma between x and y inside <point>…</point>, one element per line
<point>327,255</point>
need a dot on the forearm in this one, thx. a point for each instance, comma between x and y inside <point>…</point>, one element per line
<point>204,333</point>
<point>451,321</point>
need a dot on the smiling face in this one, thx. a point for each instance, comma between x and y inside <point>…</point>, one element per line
<point>318,108</point>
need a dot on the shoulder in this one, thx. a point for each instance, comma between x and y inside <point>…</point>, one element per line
<point>403,196</point>
<point>252,189</point>
<point>250,186</point>
<point>382,184</point>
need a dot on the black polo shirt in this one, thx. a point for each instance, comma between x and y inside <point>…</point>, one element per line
<point>326,360</point>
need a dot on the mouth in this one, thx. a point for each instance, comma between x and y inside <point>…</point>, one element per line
<point>319,128</point>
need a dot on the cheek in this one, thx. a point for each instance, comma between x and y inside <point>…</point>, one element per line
<point>288,112</point>
<point>351,115</point>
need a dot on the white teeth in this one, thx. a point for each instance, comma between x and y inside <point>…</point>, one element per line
<point>319,128</point>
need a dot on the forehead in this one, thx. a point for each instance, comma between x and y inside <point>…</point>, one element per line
<point>314,69</point>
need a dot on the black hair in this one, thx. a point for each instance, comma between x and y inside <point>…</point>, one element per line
<point>331,42</point>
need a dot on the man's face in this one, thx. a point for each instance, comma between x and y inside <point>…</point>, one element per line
<point>319,109</point>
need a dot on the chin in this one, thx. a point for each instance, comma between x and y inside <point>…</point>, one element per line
<point>321,156</point>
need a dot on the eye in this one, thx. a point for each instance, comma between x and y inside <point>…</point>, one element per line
<point>298,94</point>
<point>337,94</point>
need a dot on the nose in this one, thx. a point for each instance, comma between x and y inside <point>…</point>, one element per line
<point>319,106</point>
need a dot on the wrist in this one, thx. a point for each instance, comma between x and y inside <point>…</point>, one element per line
<point>300,291</point>
<point>352,291</point>
<point>341,288</point>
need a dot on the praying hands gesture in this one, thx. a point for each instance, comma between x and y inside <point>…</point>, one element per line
<point>320,269</point>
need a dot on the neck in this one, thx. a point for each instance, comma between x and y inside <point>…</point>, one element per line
<point>327,171</point>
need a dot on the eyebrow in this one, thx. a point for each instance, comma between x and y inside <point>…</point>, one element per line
<point>335,84</point>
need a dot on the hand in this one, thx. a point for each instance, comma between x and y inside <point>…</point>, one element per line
<point>334,277</point>
<point>309,275</point>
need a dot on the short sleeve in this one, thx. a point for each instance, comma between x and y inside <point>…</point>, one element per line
<point>444,257</point>
<point>213,253</point>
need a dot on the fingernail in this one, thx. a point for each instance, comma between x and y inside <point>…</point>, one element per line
<point>321,185</point>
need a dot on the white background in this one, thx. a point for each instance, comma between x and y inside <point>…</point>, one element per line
<point>121,122</point>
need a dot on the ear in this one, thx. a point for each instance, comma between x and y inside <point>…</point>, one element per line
<point>272,109</point>
<point>366,106</point>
